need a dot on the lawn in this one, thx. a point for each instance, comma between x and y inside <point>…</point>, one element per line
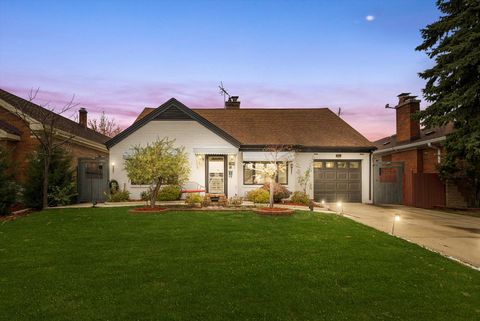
<point>105,264</point>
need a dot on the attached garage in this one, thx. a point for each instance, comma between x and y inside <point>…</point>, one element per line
<point>338,180</point>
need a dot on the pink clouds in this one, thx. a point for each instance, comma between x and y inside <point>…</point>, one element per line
<point>361,107</point>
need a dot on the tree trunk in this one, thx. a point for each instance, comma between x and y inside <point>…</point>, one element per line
<point>46,165</point>
<point>154,193</point>
<point>271,191</point>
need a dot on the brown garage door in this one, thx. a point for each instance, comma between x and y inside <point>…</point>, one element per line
<point>338,180</point>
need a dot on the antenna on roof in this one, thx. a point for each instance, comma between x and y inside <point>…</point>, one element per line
<point>388,106</point>
<point>223,92</point>
<point>339,113</point>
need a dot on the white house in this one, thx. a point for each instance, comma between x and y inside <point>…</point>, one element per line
<point>220,142</point>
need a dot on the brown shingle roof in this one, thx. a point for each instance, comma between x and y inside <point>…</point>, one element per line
<point>37,112</point>
<point>425,134</point>
<point>309,127</point>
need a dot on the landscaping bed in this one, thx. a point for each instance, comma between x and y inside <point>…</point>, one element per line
<point>276,211</point>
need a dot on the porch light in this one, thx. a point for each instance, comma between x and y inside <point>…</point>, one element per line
<point>113,167</point>
<point>231,158</point>
<point>199,157</point>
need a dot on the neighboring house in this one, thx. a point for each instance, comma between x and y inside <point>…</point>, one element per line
<point>15,134</point>
<point>220,142</point>
<point>406,164</point>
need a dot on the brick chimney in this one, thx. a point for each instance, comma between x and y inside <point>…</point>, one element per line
<point>407,128</point>
<point>232,103</point>
<point>82,117</point>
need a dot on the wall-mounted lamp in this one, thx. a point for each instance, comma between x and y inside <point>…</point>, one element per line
<point>113,167</point>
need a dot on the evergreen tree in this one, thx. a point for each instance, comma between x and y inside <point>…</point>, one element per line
<point>453,87</point>
<point>8,187</point>
<point>61,183</point>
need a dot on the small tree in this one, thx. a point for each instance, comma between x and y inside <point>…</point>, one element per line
<point>8,187</point>
<point>61,184</point>
<point>304,180</point>
<point>104,125</point>
<point>45,129</point>
<point>158,164</point>
<point>275,155</point>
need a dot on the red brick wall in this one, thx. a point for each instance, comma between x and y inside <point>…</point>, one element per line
<point>21,149</point>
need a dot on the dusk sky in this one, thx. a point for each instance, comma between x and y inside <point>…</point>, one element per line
<point>121,56</point>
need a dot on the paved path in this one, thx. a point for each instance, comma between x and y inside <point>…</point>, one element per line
<point>452,235</point>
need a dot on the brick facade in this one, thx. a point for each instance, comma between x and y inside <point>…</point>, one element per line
<point>20,150</point>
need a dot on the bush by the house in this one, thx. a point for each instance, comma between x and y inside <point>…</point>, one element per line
<point>61,183</point>
<point>119,196</point>
<point>258,195</point>
<point>170,193</point>
<point>8,187</point>
<point>167,193</point>
<point>279,191</point>
<point>193,199</point>
<point>235,201</point>
<point>300,198</point>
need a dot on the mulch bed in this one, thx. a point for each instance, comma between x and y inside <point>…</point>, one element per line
<point>276,211</point>
<point>16,214</point>
<point>148,210</point>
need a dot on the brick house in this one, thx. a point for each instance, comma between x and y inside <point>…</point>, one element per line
<point>418,151</point>
<point>15,133</point>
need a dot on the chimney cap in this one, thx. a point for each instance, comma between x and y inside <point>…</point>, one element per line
<point>83,110</point>
<point>403,94</point>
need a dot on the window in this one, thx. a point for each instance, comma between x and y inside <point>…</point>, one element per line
<point>318,165</point>
<point>330,164</point>
<point>341,164</point>
<point>253,174</point>
<point>354,164</point>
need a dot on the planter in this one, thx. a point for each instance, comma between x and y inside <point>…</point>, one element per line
<point>276,211</point>
<point>147,210</point>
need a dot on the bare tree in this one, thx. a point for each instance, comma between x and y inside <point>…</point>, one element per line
<point>105,126</point>
<point>43,121</point>
<point>276,155</point>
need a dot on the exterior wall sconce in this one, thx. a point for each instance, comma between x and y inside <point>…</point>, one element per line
<point>199,158</point>
<point>291,168</point>
<point>113,167</point>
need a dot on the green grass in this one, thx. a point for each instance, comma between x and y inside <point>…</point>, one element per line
<point>104,264</point>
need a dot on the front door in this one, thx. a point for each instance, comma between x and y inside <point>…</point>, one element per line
<point>216,179</point>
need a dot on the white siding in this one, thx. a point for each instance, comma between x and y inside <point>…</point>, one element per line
<point>302,161</point>
<point>187,133</point>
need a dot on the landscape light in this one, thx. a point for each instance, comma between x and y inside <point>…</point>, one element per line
<point>397,218</point>
<point>339,204</point>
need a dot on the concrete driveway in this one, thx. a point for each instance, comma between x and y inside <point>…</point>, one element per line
<point>453,235</point>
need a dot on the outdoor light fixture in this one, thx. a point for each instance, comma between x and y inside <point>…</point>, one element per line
<point>323,203</point>
<point>113,167</point>
<point>339,205</point>
<point>396,218</point>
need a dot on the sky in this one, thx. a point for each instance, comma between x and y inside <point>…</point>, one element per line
<point>122,56</point>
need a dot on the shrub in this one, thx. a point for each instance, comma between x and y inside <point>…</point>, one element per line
<point>169,193</point>
<point>235,201</point>
<point>8,187</point>
<point>259,195</point>
<point>193,198</point>
<point>60,178</point>
<point>300,198</point>
<point>279,191</point>
<point>119,196</point>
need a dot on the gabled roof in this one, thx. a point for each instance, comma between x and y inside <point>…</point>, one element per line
<point>38,113</point>
<point>425,134</point>
<point>308,128</point>
<point>172,109</point>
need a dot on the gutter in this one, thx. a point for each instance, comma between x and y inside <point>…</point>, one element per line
<point>410,146</point>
